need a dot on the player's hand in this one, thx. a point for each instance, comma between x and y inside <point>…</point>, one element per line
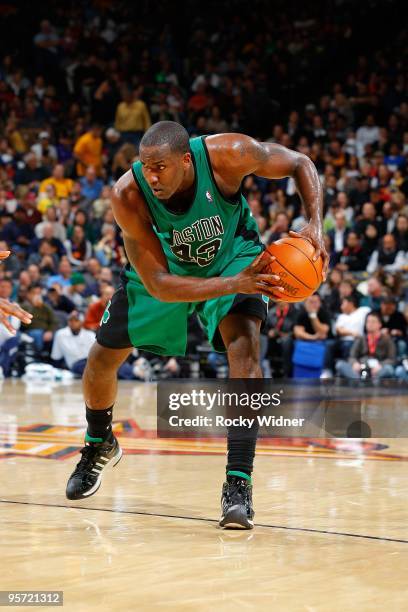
<point>252,280</point>
<point>314,232</point>
<point>8,309</point>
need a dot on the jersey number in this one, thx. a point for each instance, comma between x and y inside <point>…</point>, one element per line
<point>204,254</point>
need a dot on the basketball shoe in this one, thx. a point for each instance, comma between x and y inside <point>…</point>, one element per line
<point>236,504</point>
<point>86,479</point>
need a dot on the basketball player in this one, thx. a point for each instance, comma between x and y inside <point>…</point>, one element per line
<point>7,309</point>
<point>192,245</point>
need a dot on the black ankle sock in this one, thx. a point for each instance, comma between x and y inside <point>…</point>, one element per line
<point>241,450</point>
<point>99,424</point>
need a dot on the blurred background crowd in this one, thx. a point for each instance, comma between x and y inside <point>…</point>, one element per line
<point>87,79</point>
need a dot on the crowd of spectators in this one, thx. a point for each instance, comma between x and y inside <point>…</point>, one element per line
<point>91,78</point>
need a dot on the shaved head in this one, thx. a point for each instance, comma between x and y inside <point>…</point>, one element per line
<point>167,133</point>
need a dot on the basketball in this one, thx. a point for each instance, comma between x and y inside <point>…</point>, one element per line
<point>300,275</point>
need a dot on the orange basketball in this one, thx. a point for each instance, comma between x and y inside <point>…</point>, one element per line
<point>300,275</point>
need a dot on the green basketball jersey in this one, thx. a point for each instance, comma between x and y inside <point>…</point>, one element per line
<point>207,237</point>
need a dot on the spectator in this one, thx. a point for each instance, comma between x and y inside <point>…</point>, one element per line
<point>216,124</point>
<point>24,282</point>
<point>75,291</point>
<point>11,266</point>
<point>108,251</point>
<point>28,205</point>
<point>338,235</point>
<point>105,277</point>
<point>263,229</point>
<point>299,222</point>
<point>50,227</point>
<point>394,324</point>
<point>88,150</point>
<point>132,117</point>
<point>389,217</point>
<point>367,217</point>
<point>375,293</point>
<point>113,144</point>
<point>126,155</point>
<point>64,151</point>
<point>340,204</point>
<point>367,134</point>
<point>370,238</point>
<point>63,277</point>
<point>387,256</point>
<point>199,101</point>
<point>34,273</point>
<point>91,186</point>
<point>47,40</point>
<point>401,233</point>
<point>18,233</point>
<point>312,322</point>
<point>46,257</point>
<point>76,201</point>
<point>95,311</point>
<point>47,198</point>
<point>8,341</point>
<point>105,100</point>
<point>394,160</point>
<point>353,257</point>
<point>44,151</point>
<point>280,228</point>
<point>102,203</point>
<point>6,289</point>
<point>81,218</point>
<point>44,323</point>
<point>349,326</point>
<point>32,172</point>
<point>59,302</point>
<point>63,186</point>
<point>92,272</point>
<point>330,292</point>
<point>71,344</point>
<point>372,355</point>
<point>78,248</point>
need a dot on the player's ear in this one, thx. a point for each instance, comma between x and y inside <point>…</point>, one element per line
<point>187,159</point>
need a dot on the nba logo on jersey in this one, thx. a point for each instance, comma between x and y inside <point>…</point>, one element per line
<point>208,196</point>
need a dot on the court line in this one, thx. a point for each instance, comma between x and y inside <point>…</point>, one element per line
<point>207,520</point>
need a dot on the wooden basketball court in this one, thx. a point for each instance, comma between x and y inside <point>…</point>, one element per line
<point>331,517</point>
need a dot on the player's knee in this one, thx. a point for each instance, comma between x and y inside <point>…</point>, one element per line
<point>101,362</point>
<point>244,350</point>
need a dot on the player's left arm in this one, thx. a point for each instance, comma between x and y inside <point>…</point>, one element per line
<point>238,155</point>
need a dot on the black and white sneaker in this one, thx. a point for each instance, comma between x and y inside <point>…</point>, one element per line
<point>236,504</point>
<point>86,479</point>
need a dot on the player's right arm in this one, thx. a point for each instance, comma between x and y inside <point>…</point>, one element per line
<point>146,255</point>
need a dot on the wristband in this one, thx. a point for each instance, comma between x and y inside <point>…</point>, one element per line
<point>312,315</point>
